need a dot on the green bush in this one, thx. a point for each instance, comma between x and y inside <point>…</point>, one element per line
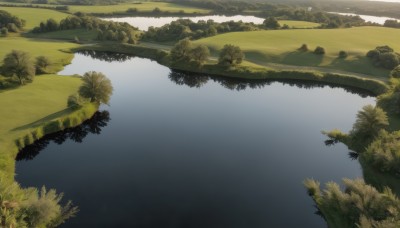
<point>395,73</point>
<point>343,54</point>
<point>319,50</point>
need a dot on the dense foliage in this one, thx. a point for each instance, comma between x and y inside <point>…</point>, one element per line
<point>20,65</point>
<point>384,56</point>
<point>10,22</point>
<point>32,208</point>
<point>106,30</point>
<point>230,55</point>
<point>359,205</point>
<point>96,87</point>
<point>384,153</point>
<point>185,28</point>
<point>184,51</point>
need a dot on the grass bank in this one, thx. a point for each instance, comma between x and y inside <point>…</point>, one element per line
<point>247,71</point>
<point>34,110</point>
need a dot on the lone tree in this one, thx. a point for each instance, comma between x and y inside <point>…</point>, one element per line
<point>96,87</point>
<point>230,55</point>
<point>319,50</point>
<point>19,64</point>
<point>200,54</point>
<point>181,50</point>
<point>42,62</point>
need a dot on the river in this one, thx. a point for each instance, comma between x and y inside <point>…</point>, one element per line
<point>179,150</point>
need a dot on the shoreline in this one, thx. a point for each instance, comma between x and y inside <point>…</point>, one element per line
<point>243,72</point>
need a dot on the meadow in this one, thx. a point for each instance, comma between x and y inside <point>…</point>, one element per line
<point>34,16</point>
<point>299,24</point>
<point>58,52</point>
<point>280,46</point>
<point>141,7</point>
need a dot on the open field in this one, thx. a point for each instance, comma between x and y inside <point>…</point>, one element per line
<point>142,7</point>
<point>34,16</point>
<point>82,34</point>
<point>280,46</point>
<point>56,51</point>
<point>298,24</point>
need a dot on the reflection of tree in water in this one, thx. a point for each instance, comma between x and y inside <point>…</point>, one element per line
<point>94,126</point>
<point>106,56</point>
<point>198,80</point>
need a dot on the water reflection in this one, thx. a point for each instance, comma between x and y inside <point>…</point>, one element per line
<point>106,56</point>
<point>76,134</point>
<point>196,80</point>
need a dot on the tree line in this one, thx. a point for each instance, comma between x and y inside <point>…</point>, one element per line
<point>10,23</point>
<point>106,30</point>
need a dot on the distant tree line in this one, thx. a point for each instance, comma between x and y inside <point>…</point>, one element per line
<point>185,28</point>
<point>106,30</point>
<point>10,23</point>
<point>392,23</point>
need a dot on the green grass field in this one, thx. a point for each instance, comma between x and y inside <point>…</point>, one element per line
<point>82,34</point>
<point>46,95</point>
<point>299,24</point>
<point>34,16</point>
<point>143,7</point>
<point>56,51</point>
<point>280,46</point>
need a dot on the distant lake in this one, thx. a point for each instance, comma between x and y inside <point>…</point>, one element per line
<point>368,18</point>
<point>186,150</point>
<point>143,23</point>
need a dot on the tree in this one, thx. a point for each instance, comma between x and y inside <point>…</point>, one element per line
<point>181,50</point>
<point>200,54</point>
<point>389,60</point>
<point>4,31</point>
<point>343,54</point>
<point>370,120</point>
<point>395,73</point>
<point>271,23</point>
<point>19,64</point>
<point>96,87</point>
<point>303,48</point>
<point>319,50</point>
<point>42,62</point>
<point>230,55</point>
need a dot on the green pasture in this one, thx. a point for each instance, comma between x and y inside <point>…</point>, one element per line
<point>298,24</point>
<point>33,16</point>
<point>56,51</point>
<point>141,7</point>
<point>280,46</point>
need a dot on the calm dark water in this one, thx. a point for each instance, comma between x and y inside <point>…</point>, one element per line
<point>175,150</point>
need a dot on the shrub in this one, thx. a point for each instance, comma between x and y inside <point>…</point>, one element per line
<point>395,73</point>
<point>303,47</point>
<point>389,60</point>
<point>4,31</point>
<point>343,54</point>
<point>42,62</point>
<point>230,55</point>
<point>319,50</point>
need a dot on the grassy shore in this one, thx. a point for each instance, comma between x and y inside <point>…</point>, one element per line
<point>31,109</point>
<point>280,46</point>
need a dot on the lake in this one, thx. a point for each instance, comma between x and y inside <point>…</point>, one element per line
<point>368,18</point>
<point>143,23</point>
<point>181,150</point>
